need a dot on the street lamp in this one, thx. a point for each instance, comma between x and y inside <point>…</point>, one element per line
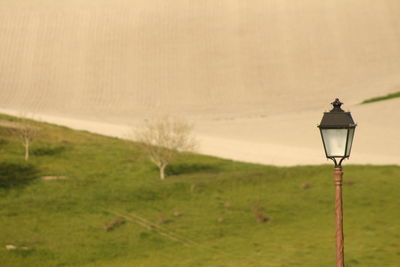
<point>337,132</point>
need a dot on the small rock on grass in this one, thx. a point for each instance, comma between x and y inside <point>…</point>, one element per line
<point>177,213</point>
<point>49,178</point>
<point>228,204</point>
<point>11,247</point>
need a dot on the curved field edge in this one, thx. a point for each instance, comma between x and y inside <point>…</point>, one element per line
<point>221,212</point>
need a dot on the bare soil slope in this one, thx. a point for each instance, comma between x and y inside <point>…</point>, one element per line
<point>259,66</point>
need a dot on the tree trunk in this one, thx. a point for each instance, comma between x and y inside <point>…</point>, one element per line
<point>162,172</point>
<point>26,151</point>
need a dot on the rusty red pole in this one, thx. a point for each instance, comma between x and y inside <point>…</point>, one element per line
<point>338,174</point>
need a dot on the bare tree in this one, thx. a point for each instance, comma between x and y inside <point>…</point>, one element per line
<point>163,139</point>
<point>27,133</point>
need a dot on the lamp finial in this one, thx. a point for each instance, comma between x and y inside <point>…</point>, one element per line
<point>337,106</point>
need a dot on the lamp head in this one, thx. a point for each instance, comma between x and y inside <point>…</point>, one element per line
<point>337,131</point>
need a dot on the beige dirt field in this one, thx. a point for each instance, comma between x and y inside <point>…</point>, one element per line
<point>253,76</point>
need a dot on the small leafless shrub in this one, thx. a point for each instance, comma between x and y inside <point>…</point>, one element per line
<point>228,204</point>
<point>26,132</point>
<point>260,214</point>
<point>164,219</point>
<point>348,182</point>
<point>114,224</point>
<point>193,188</point>
<point>305,186</point>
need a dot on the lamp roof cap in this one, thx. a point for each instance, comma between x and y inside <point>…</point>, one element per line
<point>337,118</point>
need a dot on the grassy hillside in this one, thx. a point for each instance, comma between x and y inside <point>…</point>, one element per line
<point>209,212</point>
<point>381,98</point>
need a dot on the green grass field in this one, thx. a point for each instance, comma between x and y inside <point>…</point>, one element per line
<point>208,212</point>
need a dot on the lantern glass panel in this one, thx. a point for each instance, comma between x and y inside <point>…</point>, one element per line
<point>350,141</point>
<point>334,141</point>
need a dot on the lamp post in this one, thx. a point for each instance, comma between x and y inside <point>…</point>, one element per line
<point>337,132</point>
